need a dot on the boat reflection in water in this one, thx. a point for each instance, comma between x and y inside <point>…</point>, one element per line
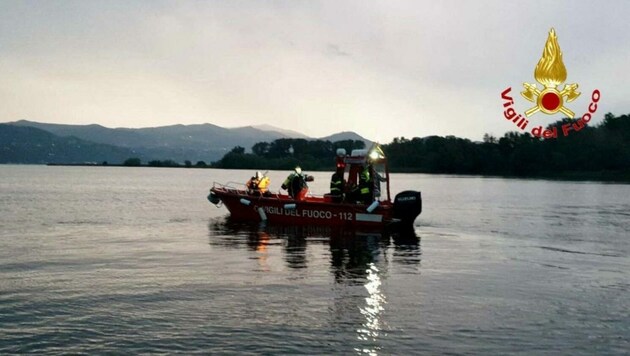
<point>358,262</point>
<point>351,251</point>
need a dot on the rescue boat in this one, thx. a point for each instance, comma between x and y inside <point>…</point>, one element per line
<point>345,211</point>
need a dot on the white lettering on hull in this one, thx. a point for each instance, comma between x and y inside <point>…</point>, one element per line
<point>308,213</point>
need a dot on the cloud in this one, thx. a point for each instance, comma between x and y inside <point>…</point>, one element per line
<point>383,69</point>
<point>334,50</point>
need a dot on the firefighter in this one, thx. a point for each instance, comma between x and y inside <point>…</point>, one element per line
<point>337,186</point>
<point>258,184</point>
<point>295,184</point>
<point>366,185</point>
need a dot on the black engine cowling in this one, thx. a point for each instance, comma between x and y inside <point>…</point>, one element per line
<point>407,206</point>
<point>213,198</point>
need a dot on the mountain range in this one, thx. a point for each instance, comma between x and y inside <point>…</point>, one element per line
<point>34,142</point>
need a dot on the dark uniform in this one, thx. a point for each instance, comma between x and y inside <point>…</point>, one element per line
<point>336,187</point>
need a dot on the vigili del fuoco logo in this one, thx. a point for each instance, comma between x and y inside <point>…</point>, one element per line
<point>550,72</point>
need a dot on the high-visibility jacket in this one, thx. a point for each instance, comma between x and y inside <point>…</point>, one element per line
<point>263,185</point>
<point>365,183</point>
<point>256,184</point>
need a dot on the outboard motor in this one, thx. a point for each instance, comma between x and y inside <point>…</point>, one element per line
<point>407,206</point>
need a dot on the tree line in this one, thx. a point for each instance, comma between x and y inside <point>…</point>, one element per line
<point>593,152</point>
<point>286,153</point>
<point>600,152</point>
<point>137,162</point>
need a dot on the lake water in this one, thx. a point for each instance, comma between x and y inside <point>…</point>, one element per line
<point>135,260</point>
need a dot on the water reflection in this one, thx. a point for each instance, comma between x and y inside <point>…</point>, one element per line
<point>371,311</point>
<point>407,250</point>
<point>359,263</point>
<point>351,252</point>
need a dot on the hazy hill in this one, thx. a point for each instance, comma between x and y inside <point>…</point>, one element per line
<point>203,142</point>
<point>206,134</point>
<point>346,135</point>
<point>31,145</point>
<point>285,132</point>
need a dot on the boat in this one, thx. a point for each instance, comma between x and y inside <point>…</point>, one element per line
<point>276,208</point>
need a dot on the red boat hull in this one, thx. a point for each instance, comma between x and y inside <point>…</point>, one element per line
<point>282,209</point>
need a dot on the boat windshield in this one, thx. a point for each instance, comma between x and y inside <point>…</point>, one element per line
<point>374,158</point>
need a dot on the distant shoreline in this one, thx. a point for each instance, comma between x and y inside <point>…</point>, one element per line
<point>119,165</point>
<point>603,176</point>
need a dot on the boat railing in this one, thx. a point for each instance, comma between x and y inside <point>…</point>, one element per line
<point>233,187</point>
<point>240,188</point>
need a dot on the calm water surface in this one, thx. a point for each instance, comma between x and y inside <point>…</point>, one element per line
<point>121,260</point>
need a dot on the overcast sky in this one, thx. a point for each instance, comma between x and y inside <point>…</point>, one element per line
<point>380,68</point>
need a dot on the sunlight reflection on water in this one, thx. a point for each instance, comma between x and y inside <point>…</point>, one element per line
<point>372,310</point>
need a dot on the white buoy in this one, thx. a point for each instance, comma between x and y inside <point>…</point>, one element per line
<point>289,206</point>
<point>372,206</point>
<point>262,214</point>
<point>245,202</point>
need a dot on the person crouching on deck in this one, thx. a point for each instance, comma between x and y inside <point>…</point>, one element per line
<point>258,184</point>
<point>295,184</point>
